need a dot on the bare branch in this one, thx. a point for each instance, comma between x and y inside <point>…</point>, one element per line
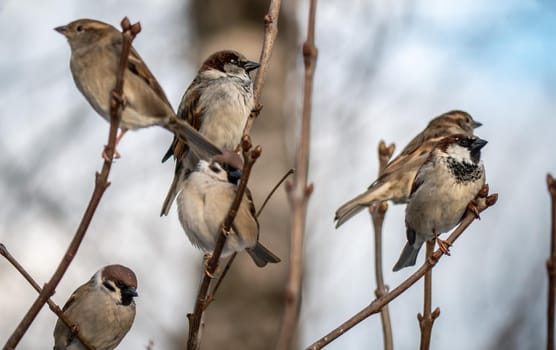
<point>376,305</point>
<point>101,183</point>
<point>250,156</point>
<point>551,266</point>
<point>426,320</point>
<point>270,33</point>
<point>298,193</point>
<point>377,212</point>
<point>53,306</point>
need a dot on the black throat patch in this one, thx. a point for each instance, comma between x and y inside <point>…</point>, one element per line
<point>463,171</point>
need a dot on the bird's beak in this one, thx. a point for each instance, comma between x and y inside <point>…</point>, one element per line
<point>478,144</point>
<point>250,65</point>
<point>62,30</point>
<point>130,292</point>
<point>476,124</point>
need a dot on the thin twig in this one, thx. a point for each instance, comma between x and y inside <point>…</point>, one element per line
<point>270,33</point>
<point>221,278</point>
<point>376,305</point>
<point>299,192</point>
<point>377,212</point>
<point>426,319</point>
<point>53,306</point>
<point>250,156</point>
<point>271,193</point>
<point>101,183</point>
<point>551,266</point>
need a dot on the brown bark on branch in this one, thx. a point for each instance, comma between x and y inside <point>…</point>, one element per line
<point>376,305</point>
<point>195,319</point>
<point>53,306</point>
<point>298,194</point>
<point>551,266</point>
<point>377,212</point>
<point>101,183</point>
<point>270,33</point>
<point>426,319</point>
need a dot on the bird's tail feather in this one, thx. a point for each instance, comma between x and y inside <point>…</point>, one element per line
<point>408,256</point>
<point>376,192</point>
<point>262,256</point>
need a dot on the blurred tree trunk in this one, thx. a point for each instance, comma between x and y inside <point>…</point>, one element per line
<point>248,307</point>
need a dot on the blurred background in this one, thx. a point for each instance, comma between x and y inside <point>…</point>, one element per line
<point>384,70</point>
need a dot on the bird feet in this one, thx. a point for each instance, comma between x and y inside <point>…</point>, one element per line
<point>116,153</point>
<point>206,259</point>
<point>444,246</point>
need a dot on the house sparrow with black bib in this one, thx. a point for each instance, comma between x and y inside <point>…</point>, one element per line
<point>395,181</point>
<point>102,309</point>
<point>95,58</point>
<point>204,200</point>
<point>217,103</point>
<point>444,186</point>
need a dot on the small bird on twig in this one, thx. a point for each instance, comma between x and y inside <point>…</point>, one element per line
<point>102,310</point>
<point>217,103</point>
<point>395,181</point>
<point>204,200</point>
<point>444,188</point>
<point>95,58</point>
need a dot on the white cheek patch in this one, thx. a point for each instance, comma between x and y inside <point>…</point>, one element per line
<point>459,153</point>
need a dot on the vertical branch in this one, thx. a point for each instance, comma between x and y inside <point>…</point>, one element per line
<point>426,320</point>
<point>298,194</point>
<point>101,183</point>
<point>195,319</point>
<point>551,266</point>
<point>377,212</point>
<point>53,306</point>
<point>270,33</point>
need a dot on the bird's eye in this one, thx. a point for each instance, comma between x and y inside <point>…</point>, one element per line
<point>79,28</point>
<point>233,61</point>
<point>108,286</point>
<point>214,167</point>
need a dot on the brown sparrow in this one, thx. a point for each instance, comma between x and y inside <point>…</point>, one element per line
<point>102,309</point>
<point>395,182</point>
<point>445,184</point>
<point>95,58</point>
<point>217,103</point>
<point>203,203</point>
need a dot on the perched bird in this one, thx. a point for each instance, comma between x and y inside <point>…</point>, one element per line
<point>102,309</point>
<point>395,181</point>
<point>445,185</point>
<point>205,197</point>
<point>217,103</point>
<point>95,57</point>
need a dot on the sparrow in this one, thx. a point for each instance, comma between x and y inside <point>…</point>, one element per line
<point>444,187</point>
<point>217,103</point>
<point>102,309</point>
<point>395,181</point>
<point>95,58</point>
<point>203,202</point>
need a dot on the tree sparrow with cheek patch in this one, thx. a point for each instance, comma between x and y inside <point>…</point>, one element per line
<point>396,180</point>
<point>95,58</point>
<point>103,310</point>
<point>446,183</point>
<point>217,103</point>
<point>205,198</point>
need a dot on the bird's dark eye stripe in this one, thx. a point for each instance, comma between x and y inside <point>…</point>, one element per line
<point>108,286</point>
<point>214,168</point>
